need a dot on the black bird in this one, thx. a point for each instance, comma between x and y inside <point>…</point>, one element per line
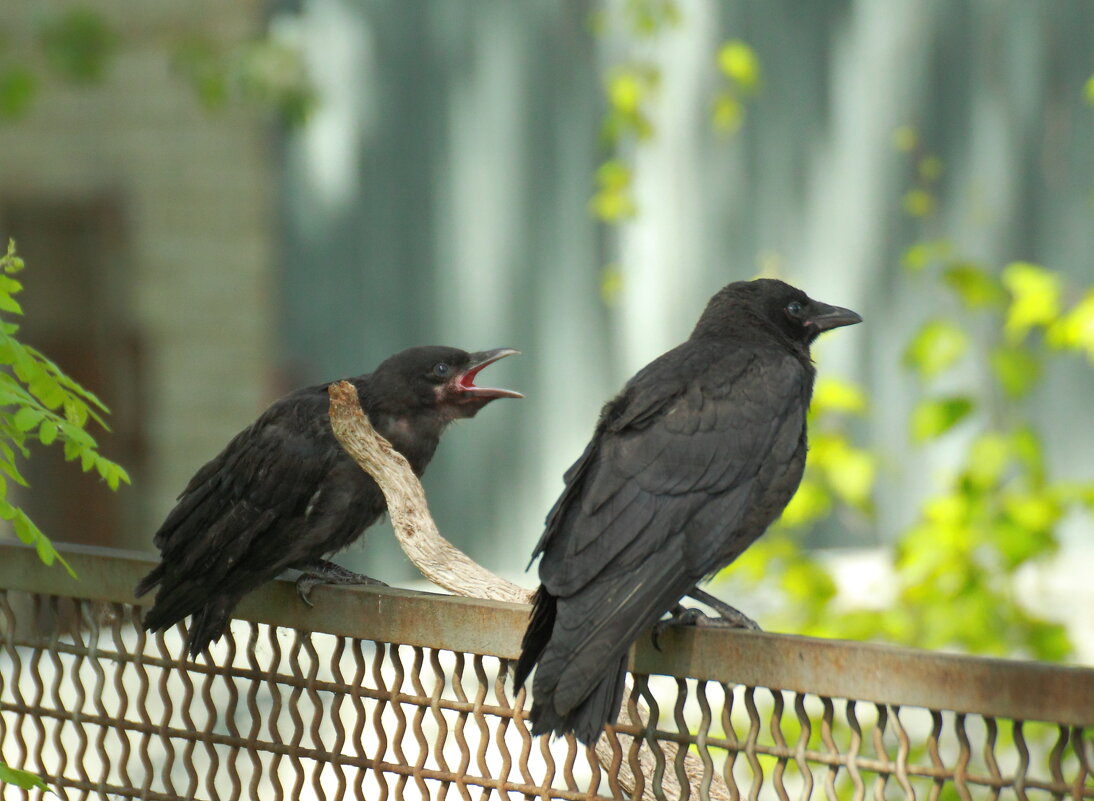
<point>284,494</point>
<point>689,464</point>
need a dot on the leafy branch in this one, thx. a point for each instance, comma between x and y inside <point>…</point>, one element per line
<point>39,402</point>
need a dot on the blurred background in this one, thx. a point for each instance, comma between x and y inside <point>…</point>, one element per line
<point>220,202</point>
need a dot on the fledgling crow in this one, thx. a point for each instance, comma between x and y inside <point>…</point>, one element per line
<point>689,464</point>
<point>284,494</point>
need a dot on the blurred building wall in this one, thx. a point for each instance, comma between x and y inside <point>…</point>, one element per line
<point>147,226</point>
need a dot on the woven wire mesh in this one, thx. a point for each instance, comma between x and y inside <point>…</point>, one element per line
<point>105,711</point>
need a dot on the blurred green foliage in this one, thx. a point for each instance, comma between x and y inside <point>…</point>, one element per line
<point>39,402</point>
<point>73,45</point>
<point>631,86</point>
<point>997,511</point>
<point>266,73</point>
<point>78,46</point>
<point>739,71</point>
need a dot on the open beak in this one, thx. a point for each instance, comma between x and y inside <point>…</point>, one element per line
<point>465,381</point>
<point>823,317</point>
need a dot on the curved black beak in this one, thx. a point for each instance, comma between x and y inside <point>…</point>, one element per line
<point>823,317</point>
<point>465,381</point>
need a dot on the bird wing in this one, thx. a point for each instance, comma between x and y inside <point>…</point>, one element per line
<point>689,432</point>
<point>662,497</point>
<point>269,472</point>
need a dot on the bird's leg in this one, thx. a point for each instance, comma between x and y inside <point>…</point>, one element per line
<point>320,571</point>
<point>733,618</point>
<point>728,617</point>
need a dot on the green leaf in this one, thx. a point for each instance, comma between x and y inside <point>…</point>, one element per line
<point>626,91</point>
<point>29,533</point>
<point>1049,641</point>
<point>809,503</point>
<point>1016,368</point>
<point>806,581</point>
<point>988,458</point>
<point>18,87</point>
<point>21,778</point>
<point>10,304</point>
<point>976,287</point>
<point>611,284</point>
<point>113,474</point>
<point>1075,330</point>
<point>47,432</point>
<point>905,139</point>
<point>935,348</point>
<point>933,417</point>
<point>851,474</point>
<point>918,203</point>
<point>75,412</point>
<point>1088,90</point>
<point>7,465</point>
<point>1028,450</point>
<point>835,395</point>
<point>27,418</point>
<point>78,45</point>
<point>1035,298</point>
<point>739,63</point>
<point>920,255</point>
<point>728,113</point>
<point>613,201</point>
<point>1034,512</point>
<point>199,62</point>
<point>72,450</point>
<point>10,261</point>
<point>12,394</point>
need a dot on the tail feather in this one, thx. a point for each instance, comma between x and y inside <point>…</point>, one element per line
<point>536,636</point>
<point>173,603</point>
<point>598,708</point>
<point>588,719</point>
<point>146,584</point>
<point>208,625</point>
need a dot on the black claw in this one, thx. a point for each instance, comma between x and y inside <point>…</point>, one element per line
<point>680,616</point>
<point>304,585</point>
<point>321,571</point>
<point>655,633</point>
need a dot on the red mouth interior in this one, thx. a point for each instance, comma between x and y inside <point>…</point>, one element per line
<point>467,380</point>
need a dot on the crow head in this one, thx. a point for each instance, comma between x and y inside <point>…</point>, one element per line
<point>439,378</point>
<point>776,306</point>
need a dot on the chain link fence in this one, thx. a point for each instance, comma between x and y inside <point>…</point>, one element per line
<point>389,694</point>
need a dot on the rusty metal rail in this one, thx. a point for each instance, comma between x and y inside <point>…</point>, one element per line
<point>384,693</point>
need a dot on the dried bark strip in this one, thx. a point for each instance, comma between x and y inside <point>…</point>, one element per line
<point>450,568</point>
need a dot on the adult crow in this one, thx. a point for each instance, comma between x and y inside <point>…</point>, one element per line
<point>284,494</point>
<point>689,464</point>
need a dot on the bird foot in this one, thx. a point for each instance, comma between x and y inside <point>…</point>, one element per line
<point>314,574</point>
<point>728,616</point>
<point>681,616</point>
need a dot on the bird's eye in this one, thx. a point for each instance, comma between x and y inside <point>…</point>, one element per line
<point>794,308</point>
<point>441,370</point>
